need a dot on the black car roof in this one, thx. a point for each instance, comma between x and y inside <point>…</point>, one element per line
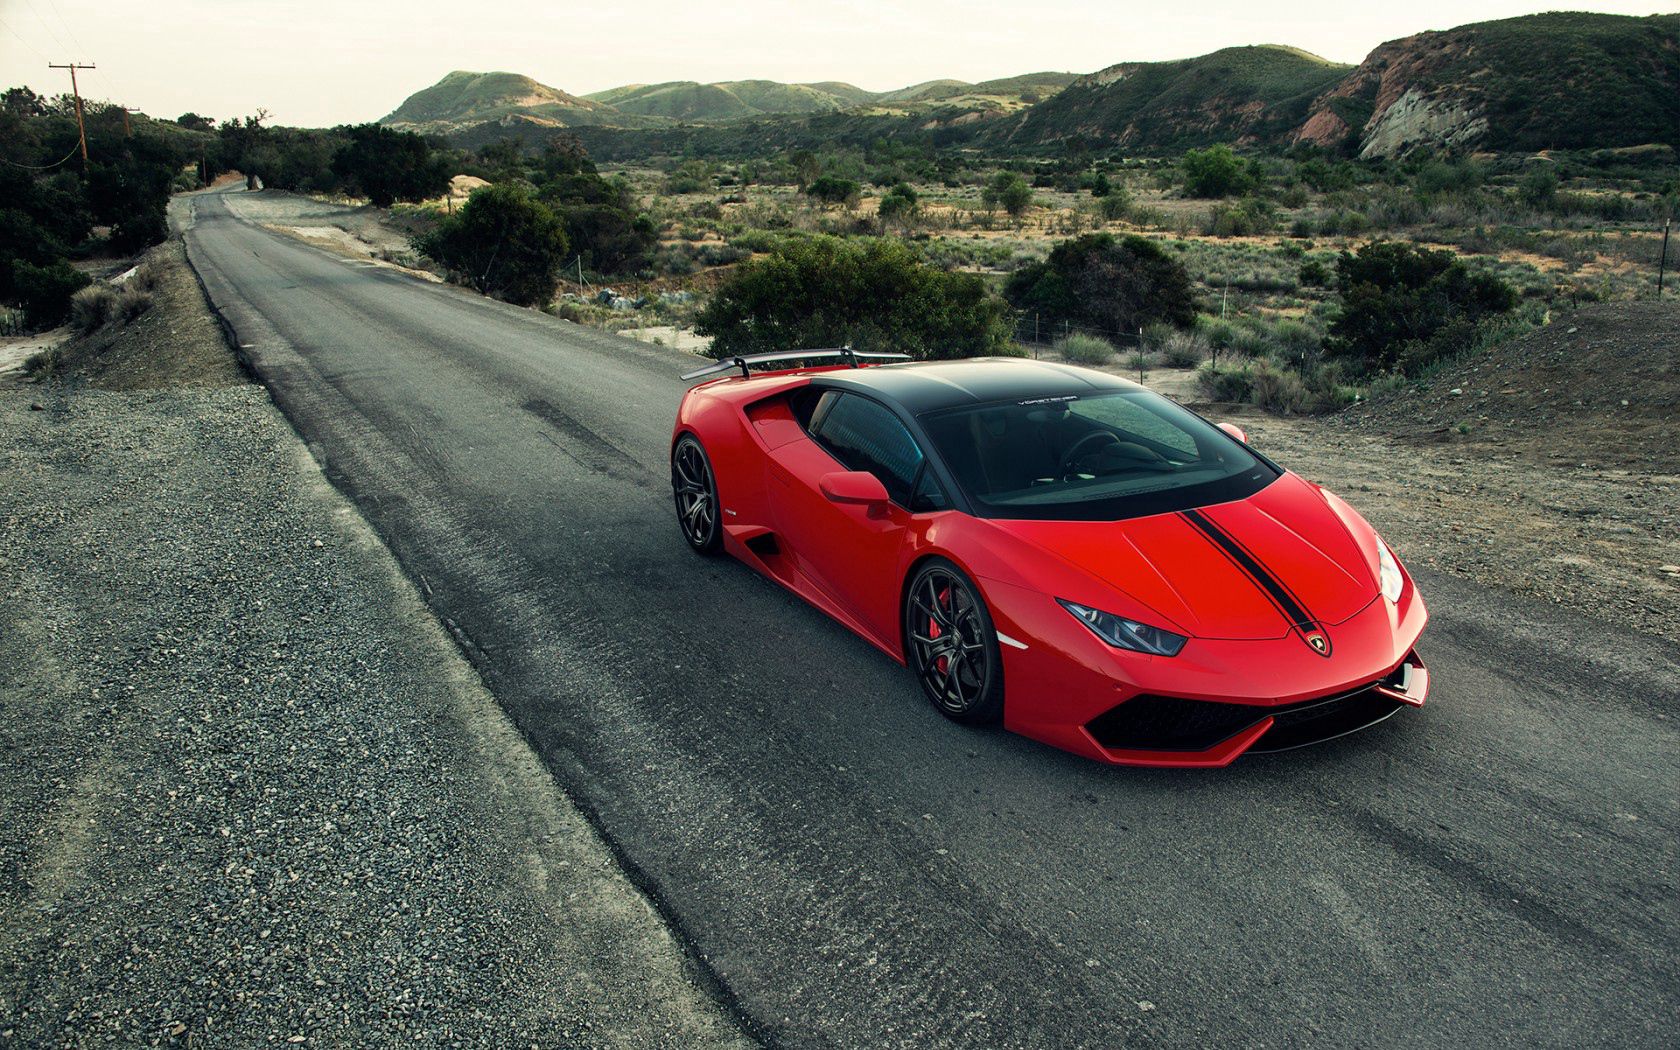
<point>928,386</point>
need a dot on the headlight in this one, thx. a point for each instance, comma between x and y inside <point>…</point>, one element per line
<point>1388,573</point>
<point>1126,634</point>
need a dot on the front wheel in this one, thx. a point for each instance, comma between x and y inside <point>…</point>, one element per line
<point>694,487</point>
<point>952,644</point>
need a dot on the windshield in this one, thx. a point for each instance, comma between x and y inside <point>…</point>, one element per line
<point>1106,457</point>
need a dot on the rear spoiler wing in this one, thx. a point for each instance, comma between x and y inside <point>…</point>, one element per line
<point>843,353</point>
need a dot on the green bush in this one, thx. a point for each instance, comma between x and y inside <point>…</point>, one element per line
<point>386,166</point>
<point>1398,300</point>
<point>1218,172</point>
<point>1081,349</point>
<point>1227,384</point>
<point>1183,350</point>
<point>44,291</point>
<point>1008,191</point>
<point>1100,281</point>
<point>503,242</point>
<point>871,294</point>
<point>831,189</point>
<point>1278,391</point>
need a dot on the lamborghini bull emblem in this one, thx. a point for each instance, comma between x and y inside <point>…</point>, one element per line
<point>1319,641</point>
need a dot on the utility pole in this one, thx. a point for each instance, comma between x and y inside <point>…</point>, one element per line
<point>81,128</point>
<point>127,134</point>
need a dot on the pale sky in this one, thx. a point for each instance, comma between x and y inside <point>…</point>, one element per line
<point>313,63</point>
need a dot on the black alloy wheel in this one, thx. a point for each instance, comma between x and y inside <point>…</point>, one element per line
<point>952,645</point>
<point>695,489</point>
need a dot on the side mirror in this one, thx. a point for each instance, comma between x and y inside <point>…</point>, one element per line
<point>1235,431</point>
<point>857,487</point>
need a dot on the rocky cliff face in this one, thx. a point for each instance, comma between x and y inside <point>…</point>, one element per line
<point>1542,81</point>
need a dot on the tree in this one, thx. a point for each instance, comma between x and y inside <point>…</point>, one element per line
<point>193,122</point>
<point>1402,306</point>
<point>1009,191</point>
<point>1218,172</point>
<point>831,189</point>
<point>1100,186</point>
<point>389,165</point>
<point>871,294</point>
<point>503,242</point>
<point>1100,281</point>
<point>900,204</point>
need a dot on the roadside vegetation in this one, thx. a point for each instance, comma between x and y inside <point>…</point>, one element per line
<point>1299,281</point>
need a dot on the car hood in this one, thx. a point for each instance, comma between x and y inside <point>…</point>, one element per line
<point>1252,569</point>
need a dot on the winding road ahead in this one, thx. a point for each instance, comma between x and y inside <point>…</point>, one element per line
<point>1499,868</point>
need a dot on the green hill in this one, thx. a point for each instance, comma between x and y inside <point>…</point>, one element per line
<point>1562,80</point>
<point>687,100</point>
<point>463,98</point>
<point>1239,94</point>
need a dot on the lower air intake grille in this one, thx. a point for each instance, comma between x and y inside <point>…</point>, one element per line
<point>1163,723</point>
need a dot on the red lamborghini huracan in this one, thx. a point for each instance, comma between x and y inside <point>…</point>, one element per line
<point>1102,569</point>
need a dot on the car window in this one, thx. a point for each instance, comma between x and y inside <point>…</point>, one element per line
<point>863,435</point>
<point>1098,457</point>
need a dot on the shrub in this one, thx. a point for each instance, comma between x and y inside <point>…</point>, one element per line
<point>1008,191</point>
<point>1218,172</point>
<point>44,291</point>
<point>1099,281</point>
<point>1081,349</point>
<point>1278,391</point>
<point>1230,384</point>
<point>502,242</point>
<point>831,189</point>
<point>1314,274</point>
<point>388,165</point>
<point>91,307</point>
<point>1394,295</point>
<point>1183,350</point>
<point>872,294</point>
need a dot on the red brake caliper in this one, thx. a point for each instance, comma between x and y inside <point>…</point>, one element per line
<point>943,598</point>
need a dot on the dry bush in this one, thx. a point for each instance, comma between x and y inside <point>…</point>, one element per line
<point>1085,349</point>
<point>91,307</point>
<point>1183,350</point>
<point>131,302</point>
<point>1281,392</point>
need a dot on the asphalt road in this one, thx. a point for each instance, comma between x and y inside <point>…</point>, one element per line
<point>1496,869</point>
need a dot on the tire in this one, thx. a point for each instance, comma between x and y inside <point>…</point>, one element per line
<point>694,490</point>
<point>942,602</point>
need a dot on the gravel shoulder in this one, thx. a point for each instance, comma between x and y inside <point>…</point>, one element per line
<point>251,792</point>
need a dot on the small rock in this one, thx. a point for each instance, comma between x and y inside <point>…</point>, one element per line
<point>1571,330</point>
<point>1145,1005</point>
<point>36,406</point>
<point>1456,390</point>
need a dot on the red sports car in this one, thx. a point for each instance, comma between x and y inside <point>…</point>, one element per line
<point>1100,568</point>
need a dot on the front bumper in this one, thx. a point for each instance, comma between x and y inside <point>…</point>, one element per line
<point>1217,699</point>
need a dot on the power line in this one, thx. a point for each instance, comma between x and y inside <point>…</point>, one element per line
<point>21,40</point>
<point>43,167</point>
<point>39,17</point>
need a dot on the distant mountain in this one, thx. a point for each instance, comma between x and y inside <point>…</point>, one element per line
<point>1243,95</point>
<point>463,99</point>
<point>685,100</point>
<point>1562,80</point>
<point>1565,80</point>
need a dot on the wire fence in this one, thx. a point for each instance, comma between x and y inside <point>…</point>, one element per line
<point>1036,332</point>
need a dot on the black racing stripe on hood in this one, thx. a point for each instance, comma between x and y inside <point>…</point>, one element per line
<point>1281,596</point>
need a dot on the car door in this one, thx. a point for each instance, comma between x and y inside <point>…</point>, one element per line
<point>850,552</point>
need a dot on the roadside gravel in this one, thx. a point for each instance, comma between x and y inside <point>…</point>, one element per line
<point>250,793</point>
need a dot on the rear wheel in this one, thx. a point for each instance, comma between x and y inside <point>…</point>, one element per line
<point>694,487</point>
<point>952,644</point>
